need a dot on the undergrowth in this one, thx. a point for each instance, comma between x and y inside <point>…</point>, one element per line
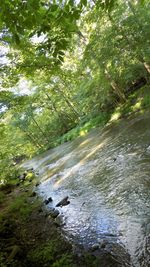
<point>53,252</point>
<point>83,128</point>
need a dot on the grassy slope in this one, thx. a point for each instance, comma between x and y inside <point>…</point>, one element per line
<point>31,238</point>
<point>137,102</point>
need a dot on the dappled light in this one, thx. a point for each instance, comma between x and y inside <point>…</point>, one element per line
<point>115,116</point>
<point>76,168</point>
<point>83,132</point>
<point>74,130</point>
<point>100,176</point>
<point>138,105</point>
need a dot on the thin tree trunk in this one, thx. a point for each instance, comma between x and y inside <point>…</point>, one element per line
<point>69,103</point>
<point>139,55</point>
<point>69,98</point>
<point>31,137</point>
<point>45,137</point>
<point>145,64</point>
<point>115,86</point>
<point>57,112</point>
<point>147,67</point>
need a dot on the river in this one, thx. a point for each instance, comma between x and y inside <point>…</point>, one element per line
<point>106,175</point>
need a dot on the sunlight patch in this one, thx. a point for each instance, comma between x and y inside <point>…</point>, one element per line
<point>137,105</point>
<point>115,116</point>
<point>83,132</point>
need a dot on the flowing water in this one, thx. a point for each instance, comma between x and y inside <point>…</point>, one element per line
<point>106,175</point>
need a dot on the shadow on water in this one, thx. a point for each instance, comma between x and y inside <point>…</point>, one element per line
<point>107,178</point>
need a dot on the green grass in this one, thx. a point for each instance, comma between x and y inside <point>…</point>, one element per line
<point>2,197</point>
<point>83,128</point>
<point>64,261</point>
<point>139,101</point>
<point>51,253</point>
<point>21,208</point>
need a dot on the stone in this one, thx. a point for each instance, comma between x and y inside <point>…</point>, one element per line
<point>54,213</point>
<point>103,244</point>
<point>33,194</point>
<point>59,220</point>
<point>95,247</point>
<point>30,170</point>
<point>63,202</point>
<point>47,201</point>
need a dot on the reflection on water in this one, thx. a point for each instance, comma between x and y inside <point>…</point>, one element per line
<point>107,177</point>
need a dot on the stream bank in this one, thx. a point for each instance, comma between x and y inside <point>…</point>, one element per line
<point>106,176</point>
<point>30,236</point>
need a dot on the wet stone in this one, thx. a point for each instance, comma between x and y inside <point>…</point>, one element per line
<point>59,220</point>
<point>63,202</point>
<point>54,213</point>
<point>103,244</point>
<point>33,194</point>
<point>95,247</point>
<point>47,201</point>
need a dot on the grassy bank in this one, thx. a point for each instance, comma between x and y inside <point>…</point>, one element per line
<point>136,102</point>
<point>31,237</point>
<point>29,234</point>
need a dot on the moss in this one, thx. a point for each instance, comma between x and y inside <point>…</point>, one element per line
<point>65,261</point>
<point>21,208</point>
<point>138,101</point>
<point>2,197</point>
<point>52,252</point>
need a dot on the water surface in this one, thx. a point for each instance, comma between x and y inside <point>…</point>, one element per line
<point>107,178</point>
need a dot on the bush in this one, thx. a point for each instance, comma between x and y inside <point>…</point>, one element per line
<point>52,252</point>
<point>64,261</point>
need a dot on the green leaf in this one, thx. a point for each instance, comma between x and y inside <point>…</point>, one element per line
<point>61,58</point>
<point>16,38</point>
<point>84,2</point>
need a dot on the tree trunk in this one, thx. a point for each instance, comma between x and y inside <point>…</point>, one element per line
<point>69,103</point>
<point>145,64</point>
<point>57,112</point>
<point>139,55</point>
<point>45,137</point>
<point>33,140</point>
<point>115,86</point>
<point>31,137</point>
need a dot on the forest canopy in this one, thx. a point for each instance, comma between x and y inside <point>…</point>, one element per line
<point>65,66</point>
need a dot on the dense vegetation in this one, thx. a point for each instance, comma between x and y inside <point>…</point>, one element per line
<point>65,67</point>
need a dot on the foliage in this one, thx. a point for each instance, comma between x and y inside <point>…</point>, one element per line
<point>66,67</point>
<point>138,101</point>
<point>2,197</point>
<point>84,127</point>
<point>64,261</point>
<point>20,207</point>
<point>50,252</point>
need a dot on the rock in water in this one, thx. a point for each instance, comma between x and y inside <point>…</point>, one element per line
<point>54,213</point>
<point>63,202</point>
<point>95,247</point>
<point>47,201</point>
